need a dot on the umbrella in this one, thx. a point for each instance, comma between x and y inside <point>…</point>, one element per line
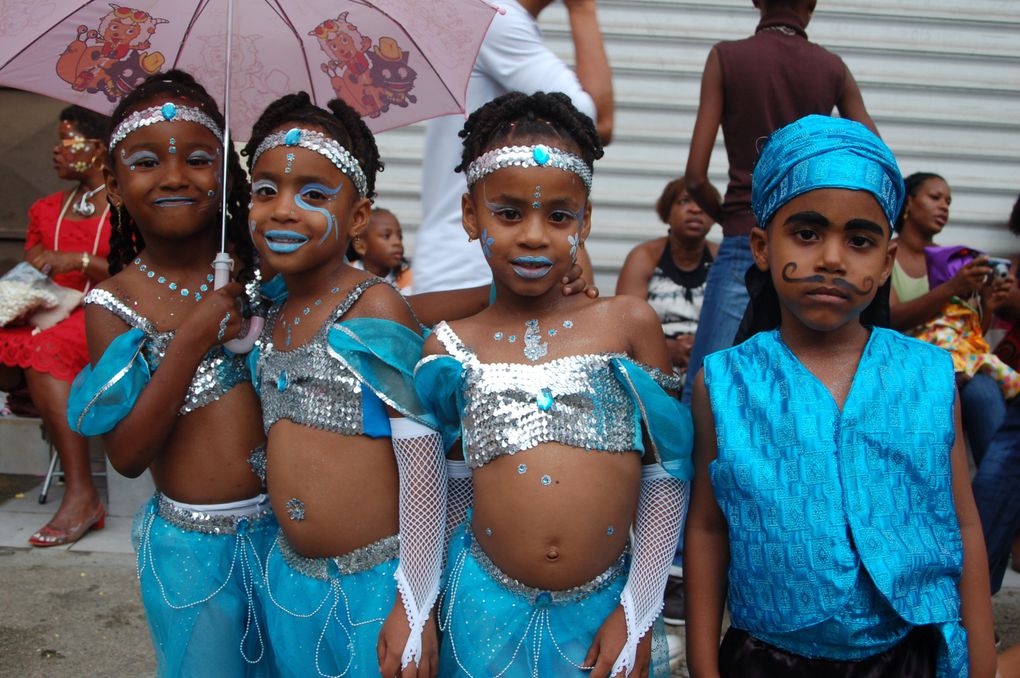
<point>394,61</point>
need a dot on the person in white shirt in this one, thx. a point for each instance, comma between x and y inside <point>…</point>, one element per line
<point>512,58</point>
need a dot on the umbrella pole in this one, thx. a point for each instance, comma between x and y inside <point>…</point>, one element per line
<point>223,264</point>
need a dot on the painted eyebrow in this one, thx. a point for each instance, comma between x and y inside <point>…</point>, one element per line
<point>142,154</point>
<point>865,225</point>
<point>809,217</point>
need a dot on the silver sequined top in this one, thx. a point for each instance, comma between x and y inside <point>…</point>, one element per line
<point>217,373</point>
<point>511,407</point>
<point>307,386</point>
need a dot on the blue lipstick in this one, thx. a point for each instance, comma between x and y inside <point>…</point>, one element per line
<point>173,201</point>
<point>284,242</point>
<point>532,268</point>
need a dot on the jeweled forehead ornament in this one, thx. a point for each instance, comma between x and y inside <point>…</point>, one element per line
<point>325,146</point>
<point>168,112</point>
<point>527,156</point>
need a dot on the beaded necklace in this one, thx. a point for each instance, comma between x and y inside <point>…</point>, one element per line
<point>162,280</point>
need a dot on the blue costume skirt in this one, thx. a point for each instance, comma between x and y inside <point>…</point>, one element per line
<point>324,614</point>
<point>493,625</point>
<point>198,573</point>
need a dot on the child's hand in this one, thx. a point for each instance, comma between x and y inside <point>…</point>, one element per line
<point>608,644</point>
<point>393,638</point>
<point>209,323</point>
<point>998,291</point>
<point>573,283</point>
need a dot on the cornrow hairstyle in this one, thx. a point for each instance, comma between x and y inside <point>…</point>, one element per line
<point>90,124</point>
<point>913,184</point>
<point>125,239</point>
<point>340,122</point>
<point>519,117</point>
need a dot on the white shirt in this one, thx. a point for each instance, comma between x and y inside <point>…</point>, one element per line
<point>512,58</point>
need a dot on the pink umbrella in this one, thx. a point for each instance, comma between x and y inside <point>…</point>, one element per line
<point>394,61</point>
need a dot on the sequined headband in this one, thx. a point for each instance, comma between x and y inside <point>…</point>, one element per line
<point>527,156</point>
<point>325,146</point>
<point>168,112</point>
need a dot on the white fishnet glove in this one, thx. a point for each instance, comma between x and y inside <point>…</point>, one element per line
<point>656,532</point>
<point>420,461</point>
<point>460,494</point>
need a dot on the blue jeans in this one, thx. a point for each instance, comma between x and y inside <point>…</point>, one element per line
<point>997,493</point>
<point>724,304</point>
<point>983,409</point>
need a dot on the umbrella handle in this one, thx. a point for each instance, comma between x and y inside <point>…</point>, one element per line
<point>222,266</point>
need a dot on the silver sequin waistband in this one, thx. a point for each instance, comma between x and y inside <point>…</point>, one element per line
<point>538,596</point>
<point>358,560</point>
<point>206,523</point>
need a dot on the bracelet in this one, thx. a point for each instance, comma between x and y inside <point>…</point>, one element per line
<point>223,327</point>
<point>85,261</point>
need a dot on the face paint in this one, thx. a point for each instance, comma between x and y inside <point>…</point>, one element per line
<point>538,197</point>
<point>330,194</point>
<point>284,242</point>
<point>290,164</point>
<point>531,268</point>
<point>791,267</point>
<point>173,146</point>
<point>836,282</point>
<point>138,157</point>
<point>846,284</point>
<point>487,243</point>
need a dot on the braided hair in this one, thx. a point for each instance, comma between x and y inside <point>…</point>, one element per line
<point>340,122</point>
<point>516,116</point>
<point>125,238</point>
<point>913,184</point>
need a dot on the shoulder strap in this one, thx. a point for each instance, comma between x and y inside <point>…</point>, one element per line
<point>114,305</point>
<point>350,300</point>
<point>453,345</point>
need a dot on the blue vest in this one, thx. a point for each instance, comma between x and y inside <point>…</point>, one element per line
<point>811,494</point>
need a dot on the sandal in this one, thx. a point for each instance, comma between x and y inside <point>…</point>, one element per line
<point>51,536</point>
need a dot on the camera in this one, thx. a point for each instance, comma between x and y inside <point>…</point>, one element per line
<point>1000,267</point>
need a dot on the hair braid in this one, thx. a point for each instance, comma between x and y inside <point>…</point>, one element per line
<point>340,122</point>
<point>538,116</point>
<point>177,84</point>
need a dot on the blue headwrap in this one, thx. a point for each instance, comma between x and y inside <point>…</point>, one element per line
<point>819,151</point>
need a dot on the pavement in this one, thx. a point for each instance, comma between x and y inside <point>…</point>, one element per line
<point>76,611</point>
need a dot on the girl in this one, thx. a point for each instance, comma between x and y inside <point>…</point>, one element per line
<point>539,578</point>
<point>162,390</point>
<point>829,477</point>
<point>380,250</point>
<point>349,463</point>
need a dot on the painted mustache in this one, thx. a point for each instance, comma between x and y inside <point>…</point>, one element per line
<point>820,279</point>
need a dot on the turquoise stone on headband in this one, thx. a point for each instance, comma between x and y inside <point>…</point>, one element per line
<point>544,400</point>
<point>293,137</point>
<point>541,154</point>
<point>169,110</point>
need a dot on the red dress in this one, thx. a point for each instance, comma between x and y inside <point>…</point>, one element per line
<point>61,350</point>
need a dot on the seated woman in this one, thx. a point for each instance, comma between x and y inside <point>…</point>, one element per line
<point>671,271</point>
<point>68,238</point>
<point>914,303</point>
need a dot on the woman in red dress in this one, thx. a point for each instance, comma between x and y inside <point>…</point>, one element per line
<point>68,238</point>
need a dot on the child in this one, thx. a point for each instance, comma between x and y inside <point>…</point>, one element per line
<point>348,459</point>
<point>380,250</point>
<point>830,478</point>
<point>162,390</point>
<point>539,581</point>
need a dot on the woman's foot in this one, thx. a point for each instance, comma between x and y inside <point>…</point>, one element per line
<point>70,524</point>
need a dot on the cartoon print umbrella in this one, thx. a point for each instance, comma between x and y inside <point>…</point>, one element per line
<point>394,61</point>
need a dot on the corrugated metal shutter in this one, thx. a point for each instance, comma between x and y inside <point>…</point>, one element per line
<point>941,79</point>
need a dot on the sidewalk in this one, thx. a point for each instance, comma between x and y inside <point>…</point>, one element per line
<point>76,611</point>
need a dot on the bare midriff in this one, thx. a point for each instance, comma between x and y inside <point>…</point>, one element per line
<point>205,461</point>
<point>348,487</point>
<point>555,517</point>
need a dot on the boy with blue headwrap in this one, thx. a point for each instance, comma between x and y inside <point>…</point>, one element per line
<point>829,478</point>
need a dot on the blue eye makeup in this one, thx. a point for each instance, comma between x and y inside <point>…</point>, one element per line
<point>317,191</point>
<point>264,187</point>
<point>201,156</point>
<point>138,157</point>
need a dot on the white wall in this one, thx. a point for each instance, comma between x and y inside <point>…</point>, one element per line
<point>941,78</point>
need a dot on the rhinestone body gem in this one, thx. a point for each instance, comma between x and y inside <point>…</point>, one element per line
<point>296,509</point>
<point>169,110</point>
<point>547,480</point>
<point>293,137</point>
<point>522,468</point>
<point>540,154</point>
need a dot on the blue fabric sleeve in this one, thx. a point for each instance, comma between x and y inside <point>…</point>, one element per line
<point>274,290</point>
<point>668,421</point>
<point>103,395</point>
<point>437,381</point>
<point>382,354</point>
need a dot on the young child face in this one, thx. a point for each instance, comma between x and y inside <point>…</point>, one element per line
<point>530,222</point>
<point>687,220</point>
<point>303,211</point>
<point>828,252</point>
<point>382,243</point>
<point>168,176</point>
